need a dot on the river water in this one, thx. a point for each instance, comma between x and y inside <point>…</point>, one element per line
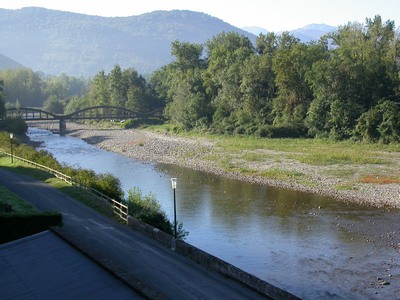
<point>312,246</point>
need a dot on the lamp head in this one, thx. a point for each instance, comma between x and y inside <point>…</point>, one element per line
<point>11,135</point>
<point>173,183</point>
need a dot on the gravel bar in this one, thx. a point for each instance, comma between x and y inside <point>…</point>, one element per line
<point>196,153</point>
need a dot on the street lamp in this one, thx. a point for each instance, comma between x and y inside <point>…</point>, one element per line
<point>11,146</point>
<point>173,182</point>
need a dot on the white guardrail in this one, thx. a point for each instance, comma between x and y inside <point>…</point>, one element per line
<point>120,209</point>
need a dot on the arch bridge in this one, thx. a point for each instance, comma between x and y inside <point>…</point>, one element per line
<point>102,112</point>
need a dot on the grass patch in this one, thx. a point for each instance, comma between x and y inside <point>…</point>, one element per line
<point>345,187</point>
<point>310,151</point>
<point>17,204</point>
<point>342,173</point>
<point>228,165</point>
<point>341,157</point>
<point>281,174</point>
<point>256,157</point>
<point>82,196</point>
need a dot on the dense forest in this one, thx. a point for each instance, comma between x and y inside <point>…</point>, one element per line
<point>345,86</point>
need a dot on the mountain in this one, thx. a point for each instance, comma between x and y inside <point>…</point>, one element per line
<point>312,32</point>
<point>8,63</point>
<point>56,42</point>
<point>306,34</point>
<point>256,30</point>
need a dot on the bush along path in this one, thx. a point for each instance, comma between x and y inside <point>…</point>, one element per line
<point>143,207</point>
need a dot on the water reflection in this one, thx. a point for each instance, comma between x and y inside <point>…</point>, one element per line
<point>311,245</point>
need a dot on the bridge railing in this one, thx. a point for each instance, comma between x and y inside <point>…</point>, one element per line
<point>119,209</point>
<point>94,112</point>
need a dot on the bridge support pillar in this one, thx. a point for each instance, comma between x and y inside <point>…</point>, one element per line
<point>63,126</point>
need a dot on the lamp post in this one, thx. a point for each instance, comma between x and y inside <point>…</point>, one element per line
<point>173,182</point>
<point>11,146</point>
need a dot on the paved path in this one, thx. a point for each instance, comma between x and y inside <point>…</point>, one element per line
<point>170,275</point>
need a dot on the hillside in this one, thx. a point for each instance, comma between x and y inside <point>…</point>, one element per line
<point>8,63</point>
<point>58,42</point>
<point>312,32</point>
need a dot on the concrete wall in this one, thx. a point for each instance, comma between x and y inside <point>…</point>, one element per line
<point>211,262</point>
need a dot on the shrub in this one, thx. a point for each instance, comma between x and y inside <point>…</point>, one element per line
<point>380,123</point>
<point>17,126</point>
<point>288,131</point>
<point>109,185</point>
<point>147,209</point>
<point>14,226</point>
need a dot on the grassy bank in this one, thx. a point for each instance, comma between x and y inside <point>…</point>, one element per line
<point>74,192</point>
<point>348,161</point>
<point>18,205</point>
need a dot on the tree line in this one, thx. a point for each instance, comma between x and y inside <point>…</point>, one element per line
<point>344,86</point>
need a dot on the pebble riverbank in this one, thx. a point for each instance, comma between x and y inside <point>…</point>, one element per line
<point>195,153</point>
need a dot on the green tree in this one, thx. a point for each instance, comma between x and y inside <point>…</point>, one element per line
<point>75,104</point>
<point>190,107</point>
<point>188,55</point>
<point>359,71</point>
<point>53,105</point>
<point>23,85</point>
<point>98,92</point>
<point>267,44</point>
<point>227,55</point>
<point>291,64</point>
<point>117,87</point>
<point>340,120</point>
<point>64,87</point>
<point>259,89</point>
<point>382,60</point>
<point>380,123</point>
<point>181,85</point>
<point>138,95</point>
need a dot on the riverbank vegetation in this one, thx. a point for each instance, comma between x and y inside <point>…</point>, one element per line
<point>143,207</point>
<point>349,161</point>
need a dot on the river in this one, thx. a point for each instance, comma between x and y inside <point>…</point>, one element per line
<point>312,246</point>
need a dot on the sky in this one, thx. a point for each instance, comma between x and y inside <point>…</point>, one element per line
<point>272,15</point>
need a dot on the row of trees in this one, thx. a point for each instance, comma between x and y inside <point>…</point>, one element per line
<point>122,88</point>
<point>345,85</point>
<point>31,89</point>
<point>65,94</point>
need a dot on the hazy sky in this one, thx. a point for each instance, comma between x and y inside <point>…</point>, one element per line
<point>273,15</point>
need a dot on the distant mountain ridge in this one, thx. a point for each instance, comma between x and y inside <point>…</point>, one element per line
<point>56,42</point>
<point>307,33</point>
<point>312,32</point>
<point>8,63</point>
<point>81,45</point>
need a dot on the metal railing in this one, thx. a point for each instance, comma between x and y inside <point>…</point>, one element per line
<point>120,209</point>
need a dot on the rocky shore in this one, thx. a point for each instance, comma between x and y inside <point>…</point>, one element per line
<point>203,154</point>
